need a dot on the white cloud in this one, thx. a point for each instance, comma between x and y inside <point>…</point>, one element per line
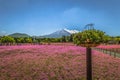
<point>71,13</point>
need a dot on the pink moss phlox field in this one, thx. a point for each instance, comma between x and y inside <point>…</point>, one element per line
<point>44,62</point>
<point>105,67</point>
<point>54,62</point>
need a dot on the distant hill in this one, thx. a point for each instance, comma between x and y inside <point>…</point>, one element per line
<point>19,35</point>
<point>60,33</point>
<point>56,34</point>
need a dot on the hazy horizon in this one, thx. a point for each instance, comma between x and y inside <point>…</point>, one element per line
<point>41,17</point>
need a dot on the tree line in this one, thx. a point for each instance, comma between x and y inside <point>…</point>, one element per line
<point>76,38</point>
<point>8,40</point>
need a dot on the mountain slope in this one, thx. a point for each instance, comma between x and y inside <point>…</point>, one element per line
<point>19,35</point>
<point>60,33</point>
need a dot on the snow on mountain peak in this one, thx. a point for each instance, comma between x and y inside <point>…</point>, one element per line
<point>71,31</point>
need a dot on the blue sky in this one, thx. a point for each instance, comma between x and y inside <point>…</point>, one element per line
<point>39,17</point>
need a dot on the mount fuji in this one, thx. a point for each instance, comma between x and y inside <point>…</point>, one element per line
<point>60,33</point>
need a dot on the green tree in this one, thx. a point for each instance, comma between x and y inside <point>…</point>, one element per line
<point>89,36</point>
<point>67,38</point>
<point>63,39</point>
<point>19,40</point>
<point>7,39</point>
<point>71,37</point>
<point>28,40</point>
<point>107,38</point>
<point>0,40</point>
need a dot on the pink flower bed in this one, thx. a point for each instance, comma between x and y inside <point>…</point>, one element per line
<point>105,67</point>
<point>108,46</point>
<point>54,62</point>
